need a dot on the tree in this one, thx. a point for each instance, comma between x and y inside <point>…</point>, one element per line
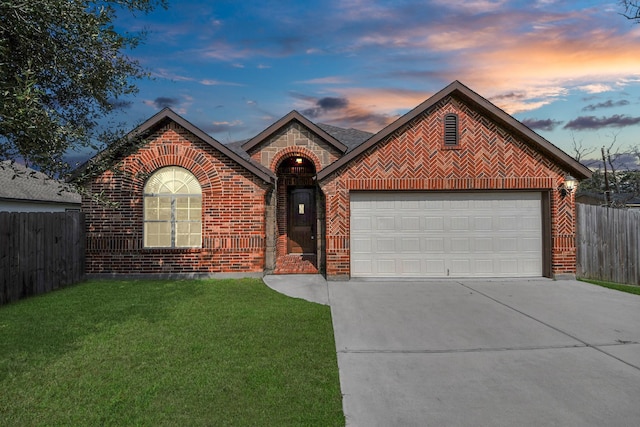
<point>631,9</point>
<point>580,151</point>
<point>63,68</point>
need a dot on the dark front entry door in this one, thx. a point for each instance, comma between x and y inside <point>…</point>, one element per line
<point>302,221</point>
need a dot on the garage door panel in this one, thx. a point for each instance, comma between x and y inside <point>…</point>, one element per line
<point>361,223</point>
<point>410,223</point>
<point>530,245</point>
<point>460,267</point>
<point>446,234</point>
<point>507,245</point>
<point>362,268</point>
<point>484,266</point>
<point>385,223</point>
<point>386,266</point>
<point>409,244</point>
<point>411,266</point>
<point>459,223</point>
<point>435,268</point>
<point>460,244</point>
<point>384,245</point>
<point>509,266</point>
<point>361,245</point>
<point>457,203</point>
<point>531,223</point>
<point>484,244</point>
<point>434,223</point>
<point>507,223</point>
<point>483,223</point>
<point>433,204</point>
<point>433,244</point>
<point>530,266</point>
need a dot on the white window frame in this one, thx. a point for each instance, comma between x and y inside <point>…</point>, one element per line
<point>170,183</point>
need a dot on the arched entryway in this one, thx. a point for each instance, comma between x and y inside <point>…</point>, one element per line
<point>296,216</point>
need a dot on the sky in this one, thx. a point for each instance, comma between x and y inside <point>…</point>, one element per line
<point>570,70</point>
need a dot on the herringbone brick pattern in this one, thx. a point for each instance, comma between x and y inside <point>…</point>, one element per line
<point>489,157</point>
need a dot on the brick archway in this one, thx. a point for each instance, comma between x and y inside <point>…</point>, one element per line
<point>186,158</point>
<point>295,152</point>
<point>296,243</point>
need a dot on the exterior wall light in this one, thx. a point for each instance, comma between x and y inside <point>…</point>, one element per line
<point>298,160</point>
<point>567,186</point>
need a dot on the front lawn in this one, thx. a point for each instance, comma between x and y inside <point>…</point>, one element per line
<point>153,353</point>
<point>632,289</point>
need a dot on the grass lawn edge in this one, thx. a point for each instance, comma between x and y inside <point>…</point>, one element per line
<point>631,289</point>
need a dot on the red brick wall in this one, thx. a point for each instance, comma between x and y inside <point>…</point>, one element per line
<point>233,208</point>
<point>488,157</point>
<point>293,140</point>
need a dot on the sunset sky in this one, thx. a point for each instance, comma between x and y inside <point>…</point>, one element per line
<point>570,70</point>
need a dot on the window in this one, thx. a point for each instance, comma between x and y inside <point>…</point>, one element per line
<point>172,209</point>
<point>451,137</point>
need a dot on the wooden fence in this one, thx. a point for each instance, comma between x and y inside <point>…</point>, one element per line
<point>40,252</point>
<point>608,244</point>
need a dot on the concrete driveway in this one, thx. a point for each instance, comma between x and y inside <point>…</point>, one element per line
<point>487,353</point>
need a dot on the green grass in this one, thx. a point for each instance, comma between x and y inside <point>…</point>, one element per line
<point>154,353</point>
<point>632,289</point>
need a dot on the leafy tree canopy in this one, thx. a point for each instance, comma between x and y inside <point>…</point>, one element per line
<point>62,69</point>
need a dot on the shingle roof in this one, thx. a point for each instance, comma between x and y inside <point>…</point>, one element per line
<point>160,119</point>
<point>19,182</point>
<point>350,137</point>
<point>294,116</point>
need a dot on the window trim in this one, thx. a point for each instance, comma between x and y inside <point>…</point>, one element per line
<point>173,220</point>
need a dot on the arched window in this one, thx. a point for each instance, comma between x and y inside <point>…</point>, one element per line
<point>451,137</point>
<point>172,209</point>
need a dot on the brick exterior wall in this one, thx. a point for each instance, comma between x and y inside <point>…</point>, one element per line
<point>488,157</point>
<point>233,207</point>
<point>245,220</point>
<point>293,140</point>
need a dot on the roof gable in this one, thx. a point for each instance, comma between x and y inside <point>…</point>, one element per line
<point>293,116</point>
<point>488,109</point>
<point>160,119</point>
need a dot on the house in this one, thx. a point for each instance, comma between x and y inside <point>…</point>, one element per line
<point>456,187</point>
<point>23,189</point>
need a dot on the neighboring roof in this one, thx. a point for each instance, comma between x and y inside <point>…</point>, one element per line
<point>294,116</point>
<point>166,115</point>
<point>456,88</point>
<point>18,182</point>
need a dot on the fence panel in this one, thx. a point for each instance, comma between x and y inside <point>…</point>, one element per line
<point>40,252</point>
<point>608,244</point>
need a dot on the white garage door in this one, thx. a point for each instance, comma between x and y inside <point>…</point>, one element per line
<point>405,234</point>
